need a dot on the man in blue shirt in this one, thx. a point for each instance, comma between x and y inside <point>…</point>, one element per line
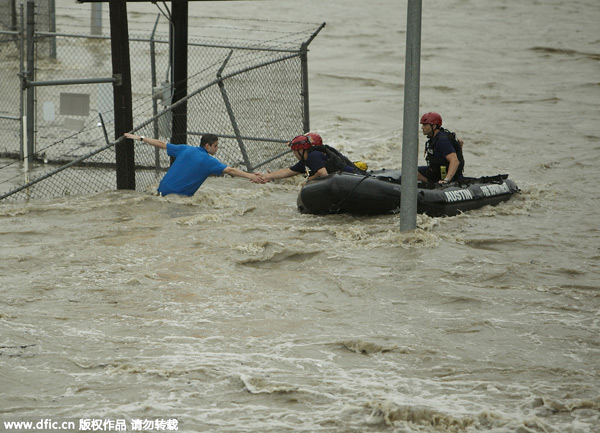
<point>192,165</point>
<point>443,152</point>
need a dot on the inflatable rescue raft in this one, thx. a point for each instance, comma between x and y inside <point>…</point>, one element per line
<point>378,193</point>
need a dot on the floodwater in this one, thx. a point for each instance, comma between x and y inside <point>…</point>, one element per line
<point>231,312</point>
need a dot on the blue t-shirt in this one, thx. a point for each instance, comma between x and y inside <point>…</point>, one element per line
<point>190,169</point>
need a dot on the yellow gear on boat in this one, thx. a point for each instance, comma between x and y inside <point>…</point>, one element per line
<point>361,165</point>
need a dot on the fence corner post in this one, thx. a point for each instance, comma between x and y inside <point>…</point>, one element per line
<point>30,76</point>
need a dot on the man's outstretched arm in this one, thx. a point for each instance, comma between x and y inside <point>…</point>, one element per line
<point>153,141</point>
<point>254,177</point>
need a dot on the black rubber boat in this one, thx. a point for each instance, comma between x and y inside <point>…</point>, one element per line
<point>378,193</point>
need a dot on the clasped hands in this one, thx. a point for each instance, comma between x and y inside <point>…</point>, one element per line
<point>259,178</point>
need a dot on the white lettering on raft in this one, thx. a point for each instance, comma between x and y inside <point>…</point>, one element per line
<point>489,190</point>
<point>461,194</point>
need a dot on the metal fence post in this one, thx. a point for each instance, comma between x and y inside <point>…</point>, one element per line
<point>13,14</point>
<point>234,125</point>
<point>410,133</point>
<point>154,101</point>
<point>22,74</point>
<point>52,16</point>
<point>304,60</point>
<point>306,112</point>
<point>30,116</point>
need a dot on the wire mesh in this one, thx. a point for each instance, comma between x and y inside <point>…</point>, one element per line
<point>248,93</point>
<point>10,90</point>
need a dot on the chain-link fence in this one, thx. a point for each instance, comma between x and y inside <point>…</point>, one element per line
<point>10,58</point>
<point>253,95</point>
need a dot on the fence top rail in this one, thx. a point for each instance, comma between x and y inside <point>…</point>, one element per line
<point>161,41</point>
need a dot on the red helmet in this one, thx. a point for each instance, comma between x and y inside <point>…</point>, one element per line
<point>300,142</point>
<point>431,118</point>
<point>315,139</point>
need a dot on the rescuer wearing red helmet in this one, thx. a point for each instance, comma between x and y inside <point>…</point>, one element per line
<point>314,158</point>
<point>443,152</point>
<point>315,138</point>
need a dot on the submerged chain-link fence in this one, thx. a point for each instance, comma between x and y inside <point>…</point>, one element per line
<point>253,95</point>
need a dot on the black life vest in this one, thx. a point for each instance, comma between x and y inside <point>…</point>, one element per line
<point>438,167</point>
<point>336,161</point>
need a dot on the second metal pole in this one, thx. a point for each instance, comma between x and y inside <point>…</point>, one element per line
<point>410,133</point>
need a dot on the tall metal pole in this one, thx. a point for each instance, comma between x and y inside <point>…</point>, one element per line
<point>119,41</point>
<point>179,15</point>
<point>410,134</point>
